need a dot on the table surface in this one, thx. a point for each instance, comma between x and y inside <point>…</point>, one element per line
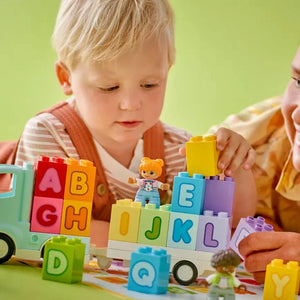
<point>24,281</point>
<point>19,281</point>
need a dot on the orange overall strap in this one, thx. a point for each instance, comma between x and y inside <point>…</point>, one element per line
<point>86,149</point>
<point>154,146</point>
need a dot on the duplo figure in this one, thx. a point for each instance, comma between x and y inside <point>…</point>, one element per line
<point>223,282</point>
<point>150,169</point>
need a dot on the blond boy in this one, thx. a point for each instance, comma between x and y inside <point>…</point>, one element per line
<point>114,57</point>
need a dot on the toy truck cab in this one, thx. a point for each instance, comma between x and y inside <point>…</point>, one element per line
<point>16,236</point>
<point>15,206</point>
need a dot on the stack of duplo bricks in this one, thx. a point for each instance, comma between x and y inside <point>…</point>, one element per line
<point>199,217</point>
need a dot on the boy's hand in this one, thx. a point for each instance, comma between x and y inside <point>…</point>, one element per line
<point>260,248</point>
<point>234,151</point>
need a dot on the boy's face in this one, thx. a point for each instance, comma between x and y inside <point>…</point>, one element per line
<point>291,110</point>
<point>120,100</point>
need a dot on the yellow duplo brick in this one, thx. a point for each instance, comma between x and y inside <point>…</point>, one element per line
<point>124,221</point>
<point>281,281</point>
<point>76,218</point>
<point>202,156</point>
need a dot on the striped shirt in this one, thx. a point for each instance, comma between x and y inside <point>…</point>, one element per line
<point>45,135</point>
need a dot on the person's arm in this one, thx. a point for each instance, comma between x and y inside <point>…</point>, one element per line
<point>236,159</point>
<point>245,196</point>
<point>260,248</point>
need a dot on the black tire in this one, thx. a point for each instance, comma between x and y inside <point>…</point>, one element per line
<point>42,252</point>
<point>5,254</point>
<point>188,264</point>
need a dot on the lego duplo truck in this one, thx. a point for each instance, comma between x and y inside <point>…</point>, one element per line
<point>191,229</point>
<point>53,197</point>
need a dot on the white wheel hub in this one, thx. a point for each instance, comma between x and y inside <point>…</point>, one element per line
<point>3,248</point>
<point>185,273</point>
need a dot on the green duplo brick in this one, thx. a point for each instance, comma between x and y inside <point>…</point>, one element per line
<point>63,260</point>
<point>154,225</point>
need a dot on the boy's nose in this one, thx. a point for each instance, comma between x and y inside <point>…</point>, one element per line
<point>131,103</point>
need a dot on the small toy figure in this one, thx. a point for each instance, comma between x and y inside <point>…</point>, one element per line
<point>150,169</point>
<point>222,283</point>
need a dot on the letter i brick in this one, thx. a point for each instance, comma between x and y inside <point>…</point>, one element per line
<point>125,220</point>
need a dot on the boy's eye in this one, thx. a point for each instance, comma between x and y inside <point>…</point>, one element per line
<point>297,81</point>
<point>148,86</point>
<point>109,89</point>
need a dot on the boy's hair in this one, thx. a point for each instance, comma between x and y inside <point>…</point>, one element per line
<point>101,30</point>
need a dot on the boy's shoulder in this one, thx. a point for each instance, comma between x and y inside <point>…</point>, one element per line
<point>47,120</point>
<point>44,134</point>
<point>175,135</point>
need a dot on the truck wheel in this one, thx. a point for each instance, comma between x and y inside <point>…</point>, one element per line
<point>103,262</point>
<point>7,248</point>
<point>185,272</point>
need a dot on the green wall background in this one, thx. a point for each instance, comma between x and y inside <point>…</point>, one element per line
<point>230,54</point>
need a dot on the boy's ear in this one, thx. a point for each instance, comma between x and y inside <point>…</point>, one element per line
<point>63,76</point>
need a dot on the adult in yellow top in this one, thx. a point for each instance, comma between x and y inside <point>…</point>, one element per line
<point>272,128</point>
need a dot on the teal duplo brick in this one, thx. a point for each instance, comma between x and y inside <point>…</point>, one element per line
<point>188,193</point>
<point>63,260</point>
<point>149,271</point>
<point>183,230</point>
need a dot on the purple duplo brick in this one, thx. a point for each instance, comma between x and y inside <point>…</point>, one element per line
<point>247,226</point>
<point>219,194</point>
<point>268,227</point>
<point>259,224</point>
<point>214,231</point>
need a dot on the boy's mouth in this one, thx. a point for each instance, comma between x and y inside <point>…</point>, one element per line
<point>129,124</point>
